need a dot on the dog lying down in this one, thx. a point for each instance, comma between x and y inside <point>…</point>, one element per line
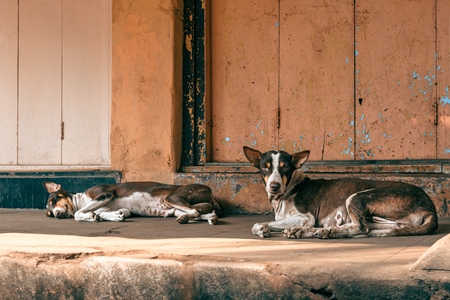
<point>339,208</point>
<point>116,202</point>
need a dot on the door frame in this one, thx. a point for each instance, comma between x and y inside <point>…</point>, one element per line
<point>195,97</point>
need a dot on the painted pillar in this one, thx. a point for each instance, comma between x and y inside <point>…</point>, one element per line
<point>146,89</point>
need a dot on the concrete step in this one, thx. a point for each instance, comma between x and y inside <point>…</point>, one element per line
<point>157,258</point>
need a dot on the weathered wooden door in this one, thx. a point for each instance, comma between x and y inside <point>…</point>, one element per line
<point>316,78</point>
<point>348,80</point>
<point>395,79</point>
<point>54,79</point>
<point>245,63</point>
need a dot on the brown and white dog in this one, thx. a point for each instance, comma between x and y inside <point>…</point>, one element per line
<point>337,208</point>
<point>115,202</point>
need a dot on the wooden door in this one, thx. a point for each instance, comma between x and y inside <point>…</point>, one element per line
<point>55,82</point>
<point>86,82</point>
<point>443,77</point>
<point>39,80</point>
<point>347,82</point>
<point>316,78</point>
<point>395,79</point>
<point>244,107</point>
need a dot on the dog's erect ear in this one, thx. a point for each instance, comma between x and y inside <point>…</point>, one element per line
<point>298,159</point>
<point>253,156</point>
<point>51,187</point>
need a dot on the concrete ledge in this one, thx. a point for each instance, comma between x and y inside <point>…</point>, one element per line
<point>137,278</point>
<point>156,258</point>
<point>243,192</point>
<point>437,258</point>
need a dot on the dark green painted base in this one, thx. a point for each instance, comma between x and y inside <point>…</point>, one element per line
<point>25,190</point>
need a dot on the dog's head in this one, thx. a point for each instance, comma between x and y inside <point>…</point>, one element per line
<point>276,167</point>
<point>59,204</point>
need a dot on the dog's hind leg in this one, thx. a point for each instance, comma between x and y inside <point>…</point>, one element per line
<point>208,213</point>
<point>211,217</point>
<point>194,200</point>
<point>391,211</point>
<point>356,206</point>
<point>179,200</point>
<point>417,223</point>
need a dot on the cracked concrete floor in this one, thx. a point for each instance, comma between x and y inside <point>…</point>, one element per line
<point>319,264</point>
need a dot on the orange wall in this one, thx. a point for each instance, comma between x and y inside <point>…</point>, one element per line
<point>146,88</point>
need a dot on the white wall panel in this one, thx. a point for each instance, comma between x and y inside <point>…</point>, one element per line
<point>8,81</point>
<point>85,85</point>
<point>39,82</point>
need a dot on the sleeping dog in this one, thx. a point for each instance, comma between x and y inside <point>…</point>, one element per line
<point>338,208</point>
<point>115,202</point>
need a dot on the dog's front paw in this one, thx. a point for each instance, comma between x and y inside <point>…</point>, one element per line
<point>324,233</point>
<point>183,219</point>
<point>87,217</point>
<point>261,230</point>
<point>297,232</point>
<point>95,218</point>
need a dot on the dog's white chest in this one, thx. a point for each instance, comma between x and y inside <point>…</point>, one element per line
<point>284,209</point>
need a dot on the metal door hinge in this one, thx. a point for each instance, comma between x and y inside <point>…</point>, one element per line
<point>62,130</point>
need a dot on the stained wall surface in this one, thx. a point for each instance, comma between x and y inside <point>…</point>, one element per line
<point>146,89</point>
<point>348,80</point>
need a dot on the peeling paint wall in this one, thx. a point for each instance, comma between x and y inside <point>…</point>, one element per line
<point>244,59</point>
<point>395,80</point>
<point>348,80</point>
<point>443,78</point>
<point>146,88</point>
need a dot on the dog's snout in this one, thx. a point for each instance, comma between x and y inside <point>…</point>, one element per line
<point>275,187</point>
<point>57,214</point>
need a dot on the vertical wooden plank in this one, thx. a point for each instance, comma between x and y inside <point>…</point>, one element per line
<point>244,76</point>
<point>199,83</point>
<point>188,154</point>
<point>39,82</point>
<point>207,74</point>
<point>196,83</point>
<point>8,81</point>
<point>443,78</point>
<point>316,71</point>
<point>395,79</point>
<point>85,82</point>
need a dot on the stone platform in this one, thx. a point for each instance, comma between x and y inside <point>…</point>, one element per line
<point>157,258</point>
